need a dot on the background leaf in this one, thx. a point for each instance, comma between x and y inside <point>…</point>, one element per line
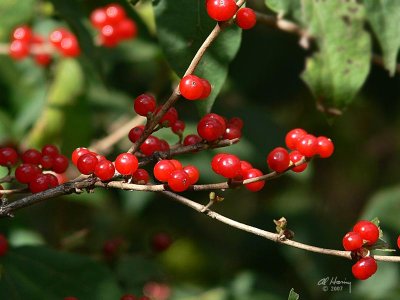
<point>182,26</point>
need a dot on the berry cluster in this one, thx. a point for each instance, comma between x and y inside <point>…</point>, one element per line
<point>113,24</point>
<point>193,87</point>
<point>177,177</point>
<point>39,170</point>
<point>364,234</point>
<point>23,40</point>
<point>213,127</point>
<point>231,167</point>
<point>303,145</point>
<point>224,10</point>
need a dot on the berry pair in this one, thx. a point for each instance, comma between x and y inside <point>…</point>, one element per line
<point>151,144</point>
<point>213,127</point>
<point>193,87</point>
<point>113,24</point>
<point>179,178</point>
<point>364,233</point>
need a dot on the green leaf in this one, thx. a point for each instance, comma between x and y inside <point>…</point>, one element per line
<point>41,273</point>
<point>182,26</point>
<point>13,13</point>
<point>285,7</point>
<point>293,295</point>
<point>384,18</point>
<point>338,70</point>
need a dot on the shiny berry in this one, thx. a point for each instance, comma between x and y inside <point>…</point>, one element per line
<point>295,156</point>
<point>126,163</point>
<point>278,159</point>
<point>221,10</point>
<point>191,139</point>
<point>78,152</point>
<point>293,137</point>
<point>160,242</point>
<point>50,150</point>
<point>144,104</point>
<point>86,164</point>
<point>18,49</point>
<point>229,166</point>
<point>193,173</point>
<point>179,181</point>
<point>98,17</point>
<point>8,156</point>
<point>25,173</point>
<point>367,230</point>
<point>215,162</point>
<point>162,170</point>
<point>164,146</point>
<point>246,18</point>
<point>352,241</point>
<point>217,117</point>
<point>235,121</point>
<point>210,129</point>
<point>104,170</point>
<point>115,13</point>
<point>22,33</point>
<point>47,162</point>
<point>191,87</point>
<point>52,180</point>
<point>141,176</point>
<point>150,145</point>
<point>364,268</point>
<point>206,88</point>
<point>253,173</point>
<point>39,183</point>
<point>307,145</point>
<point>170,117</point>
<point>135,133</point>
<point>245,165</point>
<point>3,245</point>
<point>126,29</point>
<point>109,36</point>
<point>325,147</point>
<point>178,127</point>
<point>232,132</point>
<point>177,164</point>
<point>69,46</point>
<point>60,163</point>
<point>57,35</point>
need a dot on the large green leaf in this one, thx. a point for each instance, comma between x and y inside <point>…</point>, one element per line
<point>41,273</point>
<point>182,26</point>
<point>384,17</point>
<point>338,70</point>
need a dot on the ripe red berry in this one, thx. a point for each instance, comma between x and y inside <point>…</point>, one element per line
<point>98,17</point>
<point>235,121</point>
<point>232,132</point>
<point>163,169</point>
<point>293,137</point>
<point>47,162</point>
<point>193,173</point>
<point>50,150</point>
<point>144,104</point>
<point>229,166</point>
<point>253,173</point>
<point>52,180</point>
<point>246,18</point>
<point>161,242</point>
<point>295,156</point>
<point>104,170</point>
<point>164,146</point>
<point>177,164</point>
<point>126,29</point>
<point>191,87</point>
<point>126,163</point>
<point>217,117</point>
<point>367,230</point>
<point>150,145</point>
<point>3,245</point>
<point>352,241</point>
<point>221,10</point>
<point>43,59</point>
<point>206,88</point>
<point>115,13</point>
<point>324,147</point>
<point>278,159</point>
<point>25,173</point>
<point>69,46</point>
<point>141,176</point>
<point>245,165</point>
<point>191,139</point>
<point>57,35</point>
<point>60,163</point>
<point>135,133</point>
<point>210,129</point>
<point>18,49</point>
<point>8,156</point>
<point>78,152</point>
<point>215,162</point>
<point>40,183</point>
<point>178,127</point>
<point>170,117</point>
<point>109,36</point>
<point>307,145</point>
<point>22,33</point>
<point>86,163</point>
<point>364,268</point>
<point>179,181</point>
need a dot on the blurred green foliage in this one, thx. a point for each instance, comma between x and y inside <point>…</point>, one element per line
<point>74,102</point>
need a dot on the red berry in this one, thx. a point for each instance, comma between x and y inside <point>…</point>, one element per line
<point>22,33</point>
<point>78,152</point>
<point>278,159</point>
<point>170,117</point>
<point>126,163</point>
<point>57,35</point>
<point>39,183</point>
<point>237,122</point>
<point>215,162</point>
<point>179,181</point>
<point>3,245</point>
<point>43,59</point>
<point>60,163</point>
<point>307,145</point>
<point>47,162</point>
<point>25,173</point>
<point>115,13</point>
<point>163,169</point>
<point>128,297</point>
<point>364,268</point>
<point>295,156</point>
<point>141,176</point>
<point>324,147</point>
<point>105,170</point>
<point>193,173</point>
<point>50,150</point>
<point>8,156</point>
<point>126,29</point>
<point>144,104</point>
<point>135,133</point>
<point>398,242</point>
<point>246,18</point>
<point>352,241</point>
<point>293,137</point>
<point>69,46</point>
<point>229,166</point>
<point>161,242</point>
<point>210,129</point>
<point>177,164</point>
<point>191,87</point>
<point>52,180</point>
<point>367,230</point>
<point>245,165</point>
<point>232,132</point>
<point>164,146</point>
<point>178,127</point>
<point>206,88</point>
<point>18,49</point>
<point>150,145</point>
<point>217,117</point>
<point>221,10</point>
<point>191,139</point>
<point>253,173</point>
<point>86,164</point>
<point>98,17</point>
<point>109,36</point>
